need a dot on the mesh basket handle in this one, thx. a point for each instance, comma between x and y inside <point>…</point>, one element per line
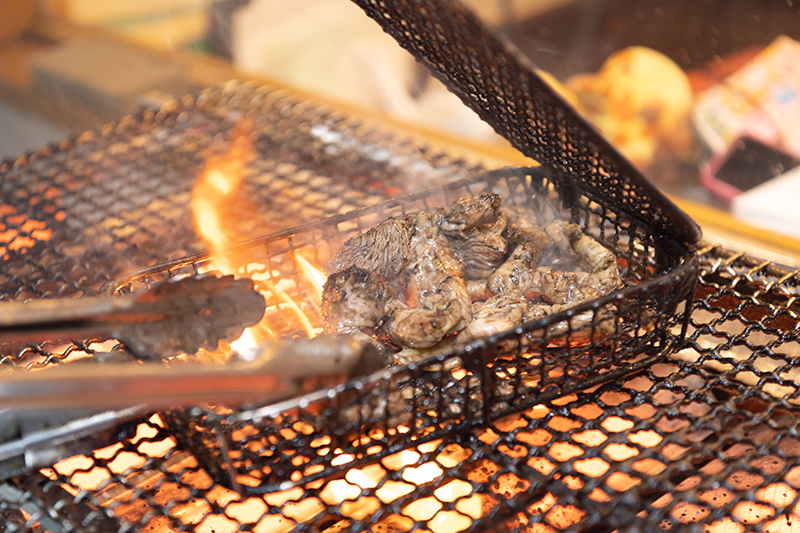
<point>495,80</point>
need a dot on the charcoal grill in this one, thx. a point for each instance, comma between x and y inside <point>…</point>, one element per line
<point>700,437</point>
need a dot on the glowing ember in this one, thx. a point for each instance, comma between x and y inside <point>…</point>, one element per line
<point>245,342</point>
<point>342,459</point>
<point>423,474</point>
<point>357,477</point>
<point>363,490</point>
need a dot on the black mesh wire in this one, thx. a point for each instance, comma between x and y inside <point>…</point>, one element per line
<point>499,84</point>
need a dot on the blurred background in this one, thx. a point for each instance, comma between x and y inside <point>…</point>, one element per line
<point>702,95</point>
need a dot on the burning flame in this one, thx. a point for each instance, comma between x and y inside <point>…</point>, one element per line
<point>317,278</point>
<point>214,193</point>
<point>245,342</point>
<point>211,194</point>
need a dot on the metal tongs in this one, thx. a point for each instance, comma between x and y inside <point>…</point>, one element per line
<point>74,408</point>
<point>175,316</point>
<point>268,373</point>
<point>71,408</point>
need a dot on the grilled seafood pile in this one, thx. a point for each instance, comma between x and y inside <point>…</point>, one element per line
<point>472,270</point>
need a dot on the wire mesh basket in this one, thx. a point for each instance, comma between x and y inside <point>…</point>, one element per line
<point>256,449</point>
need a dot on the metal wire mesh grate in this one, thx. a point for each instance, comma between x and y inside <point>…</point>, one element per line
<point>705,440</point>
<point>140,485</point>
<point>78,215</point>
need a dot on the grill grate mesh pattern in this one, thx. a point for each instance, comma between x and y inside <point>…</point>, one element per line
<point>78,215</point>
<point>705,440</point>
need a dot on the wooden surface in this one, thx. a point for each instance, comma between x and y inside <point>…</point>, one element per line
<point>16,16</point>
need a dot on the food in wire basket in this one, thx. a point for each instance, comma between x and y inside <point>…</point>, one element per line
<point>427,280</point>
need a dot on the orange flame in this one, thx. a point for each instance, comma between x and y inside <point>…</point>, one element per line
<point>214,193</point>
<point>293,306</point>
<point>313,275</point>
<point>245,342</point>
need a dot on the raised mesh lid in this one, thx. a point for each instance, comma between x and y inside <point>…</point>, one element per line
<point>495,80</point>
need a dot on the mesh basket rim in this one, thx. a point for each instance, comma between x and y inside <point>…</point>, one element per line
<point>113,287</point>
<point>688,265</point>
